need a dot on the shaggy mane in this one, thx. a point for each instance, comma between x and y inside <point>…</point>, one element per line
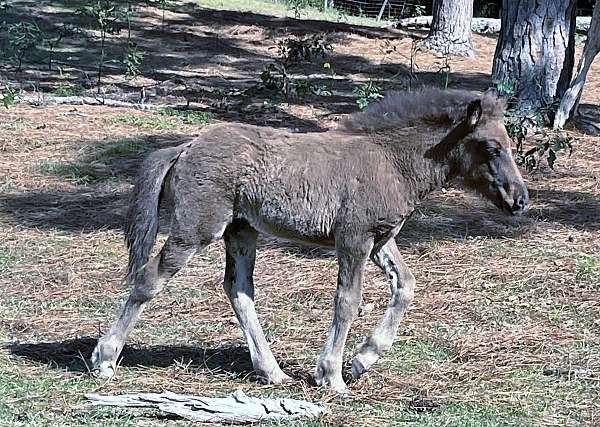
<point>428,104</point>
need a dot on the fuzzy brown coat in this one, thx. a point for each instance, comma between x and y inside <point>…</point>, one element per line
<point>351,188</point>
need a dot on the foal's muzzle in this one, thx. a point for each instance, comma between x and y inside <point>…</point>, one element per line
<point>517,203</point>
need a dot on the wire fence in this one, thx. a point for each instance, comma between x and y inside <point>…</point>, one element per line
<point>381,9</point>
<point>398,9</point>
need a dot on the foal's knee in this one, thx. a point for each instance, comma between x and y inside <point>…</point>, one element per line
<point>145,291</point>
<point>347,306</point>
<point>404,290</point>
<point>148,284</point>
<point>408,287</point>
<point>407,293</point>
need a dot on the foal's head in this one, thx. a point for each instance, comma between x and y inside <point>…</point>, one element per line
<point>481,154</point>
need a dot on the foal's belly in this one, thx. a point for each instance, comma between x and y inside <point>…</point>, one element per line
<point>295,227</point>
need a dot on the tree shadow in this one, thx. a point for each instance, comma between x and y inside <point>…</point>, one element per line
<point>275,26</point>
<point>73,355</point>
<point>93,209</point>
<point>105,171</point>
<point>445,220</point>
<point>181,58</point>
<point>193,38</point>
<point>573,208</point>
<point>170,53</point>
<point>233,359</point>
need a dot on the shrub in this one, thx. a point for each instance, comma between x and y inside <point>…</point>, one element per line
<point>367,93</point>
<point>291,52</point>
<point>22,38</point>
<point>522,121</point>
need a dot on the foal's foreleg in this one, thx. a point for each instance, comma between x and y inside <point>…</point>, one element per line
<point>402,285</point>
<point>240,242</point>
<point>352,260</point>
<point>157,272</point>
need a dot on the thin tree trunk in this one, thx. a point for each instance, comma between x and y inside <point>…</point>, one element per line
<point>536,49</point>
<point>570,100</point>
<point>450,31</point>
<point>101,63</point>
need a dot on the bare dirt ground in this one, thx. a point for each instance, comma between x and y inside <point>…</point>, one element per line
<point>504,328</point>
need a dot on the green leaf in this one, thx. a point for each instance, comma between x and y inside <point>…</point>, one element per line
<point>9,97</point>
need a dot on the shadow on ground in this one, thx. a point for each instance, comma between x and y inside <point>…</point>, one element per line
<point>171,50</point>
<point>106,170</point>
<point>91,209</point>
<point>184,59</point>
<point>73,355</point>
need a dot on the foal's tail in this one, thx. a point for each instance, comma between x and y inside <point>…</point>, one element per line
<point>142,216</point>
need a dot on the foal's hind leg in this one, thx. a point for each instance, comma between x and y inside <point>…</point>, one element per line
<point>173,256</point>
<point>240,242</point>
<point>402,285</point>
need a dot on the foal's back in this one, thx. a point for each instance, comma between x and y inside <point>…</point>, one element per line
<point>287,184</point>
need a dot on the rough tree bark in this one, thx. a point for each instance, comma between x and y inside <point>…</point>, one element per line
<point>570,100</point>
<point>450,31</point>
<point>536,49</point>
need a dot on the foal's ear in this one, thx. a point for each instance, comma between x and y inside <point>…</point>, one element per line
<point>474,113</point>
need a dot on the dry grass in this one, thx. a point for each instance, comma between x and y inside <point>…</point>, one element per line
<point>503,331</point>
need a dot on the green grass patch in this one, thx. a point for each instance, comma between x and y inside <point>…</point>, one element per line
<point>523,396</point>
<point>9,258</point>
<point>157,122</point>
<point>459,414</point>
<point>78,173</point>
<point>15,125</point>
<point>119,149</point>
<point>190,117</point>
<point>67,90</point>
<point>587,268</point>
<point>46,398</point>
<point>298,423</point>
<point>6,183</point>
<point>412,354</point>
<point>165,118</point>
<point>100,162</point>
<point>41,143</point>
<point>13,306</point>
<point>85,305</point>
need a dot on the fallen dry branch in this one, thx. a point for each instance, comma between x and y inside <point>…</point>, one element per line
<point>89,100</point>
<point>237,408</point>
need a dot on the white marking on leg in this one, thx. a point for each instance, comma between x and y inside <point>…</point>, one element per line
<point>402,284</point>
<point>240,290</point>
<point>148,285</point>
<point>348,296</point>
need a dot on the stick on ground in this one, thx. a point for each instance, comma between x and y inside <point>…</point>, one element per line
<point>237,408</point>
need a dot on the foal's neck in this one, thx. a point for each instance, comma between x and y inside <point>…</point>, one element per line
<point>423,172</point>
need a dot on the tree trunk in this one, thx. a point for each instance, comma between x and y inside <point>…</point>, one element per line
<point>536,49</point>
<point>450,31</point>
<point>570,100</point>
